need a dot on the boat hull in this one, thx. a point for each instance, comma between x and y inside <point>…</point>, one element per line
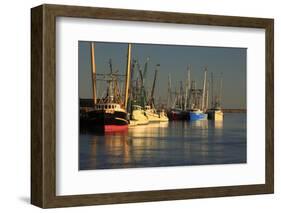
<point>195,116</point>
<point>176,115</point>
<point>152,117</point>
<point>105,121</point>
<point>138,118</point>
<point>163,119</point>
<point>216,115</point>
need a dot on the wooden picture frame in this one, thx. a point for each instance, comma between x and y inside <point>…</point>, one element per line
<point>43,105</point>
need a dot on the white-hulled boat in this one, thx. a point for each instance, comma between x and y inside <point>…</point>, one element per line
<point>138,116</point>
<point>215,114</point>
<point>151,114</point>
<point>163,116</point>
<point>154,116</point>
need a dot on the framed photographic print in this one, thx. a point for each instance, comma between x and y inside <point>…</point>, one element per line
<point>136,106</point>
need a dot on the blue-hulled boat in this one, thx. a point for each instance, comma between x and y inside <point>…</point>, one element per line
<point>199,101</point>
<point>197,114</point>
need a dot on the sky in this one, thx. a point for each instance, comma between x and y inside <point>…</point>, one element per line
<point>173,60</point>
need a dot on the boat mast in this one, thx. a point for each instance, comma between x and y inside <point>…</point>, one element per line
<point>141,89</point>
<point>175,99</point>
<point>127,82</point>
<point>111,91</point>
<point>169,91</point>
<point>153,86</point>
<point>220,93</point>
<point>207,96</point>
<point>144,92</point>
<point>132,89</point>
<point>193,96</point>
<point>204,89</point>
<point>145,71</point>
<point>212,88</point>
<point>93,66</point>
<point>187,88</point>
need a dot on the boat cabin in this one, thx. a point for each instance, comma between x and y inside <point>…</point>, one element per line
<point>107,106</point>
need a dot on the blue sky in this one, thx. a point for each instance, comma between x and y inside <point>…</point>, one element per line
<point>173,59</point>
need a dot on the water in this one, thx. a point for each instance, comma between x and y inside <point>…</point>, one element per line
<point>176,143</point>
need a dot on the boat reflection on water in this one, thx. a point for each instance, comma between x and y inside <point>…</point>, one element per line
<point>112,149</point>
<point>205,124</point>
<point>175,143</point>
<point>149,129</point>
<point>215,126</point>
<point>151,125</point>
<point>218,124</point>
<point>202,124</point>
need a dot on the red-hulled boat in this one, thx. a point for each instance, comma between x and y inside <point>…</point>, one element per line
<point>108,114</point>
<point>105,117</point>
<point>175,114</point>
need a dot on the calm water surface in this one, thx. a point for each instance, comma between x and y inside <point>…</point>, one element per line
<point>174,143</point>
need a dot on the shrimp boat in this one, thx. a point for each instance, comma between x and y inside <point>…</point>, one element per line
<point>143,108</point>
<point>180,105</point>
<point>175,106</point>
<point>107,117</point>
<point>137,96</point>
<point>151,114</point>
<point>138,116</point>
<point>175,114</point>
<point>150,111</point>
<point>109,113</point>
<point>216,113</point>
<point>197,114</point>
<point>154,116</point>
<point>199,101</point>
<point>163,116</point>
